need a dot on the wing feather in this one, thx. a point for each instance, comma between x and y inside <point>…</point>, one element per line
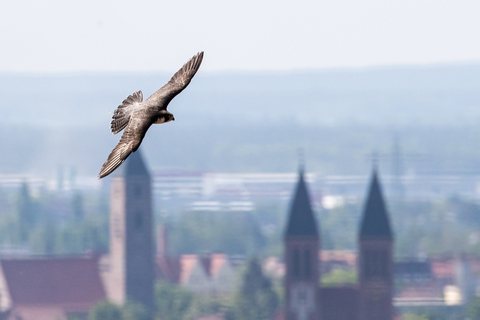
<point>129,142</point>
<point>180,79</point>
<point>121,116</point>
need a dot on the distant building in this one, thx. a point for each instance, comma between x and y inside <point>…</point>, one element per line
<point>55,288</point>
<point>375,267</point>
<point>211,273</point>
<point>437,282</point>
<point>302,244</point>
<point>413,271</point>
<point>128,271</point>
<point>49,288</point>
<point>371,299</point>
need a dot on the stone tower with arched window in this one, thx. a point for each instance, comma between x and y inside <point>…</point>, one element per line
<point>375,266</point>
<point>131,275</point>
<point>302,244</point>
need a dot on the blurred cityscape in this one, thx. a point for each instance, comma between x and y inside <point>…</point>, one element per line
<point>205,236</point>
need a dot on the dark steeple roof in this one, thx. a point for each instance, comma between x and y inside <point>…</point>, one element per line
<point>133,166</point>
<point>375,222</point>
<point>301,220</point>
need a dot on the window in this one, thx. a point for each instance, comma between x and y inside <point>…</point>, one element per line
<point>296,262</point>
<point>375,263</point>
<point>308,266</point>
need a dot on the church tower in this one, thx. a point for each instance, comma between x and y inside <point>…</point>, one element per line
<point>301,258</point>
<point>131,275</point>
<point>375,257</point>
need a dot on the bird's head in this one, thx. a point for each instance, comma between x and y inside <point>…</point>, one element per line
<point>165,116</point>
<point>169,117</point>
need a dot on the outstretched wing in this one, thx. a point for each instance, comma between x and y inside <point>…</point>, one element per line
<point>121,116</point>
<point>180,80</point>
<point>129,142</point>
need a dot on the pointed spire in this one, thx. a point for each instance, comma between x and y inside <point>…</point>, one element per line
<point>301,221</point>
<point>375,161</point>
<point>375,221</point>
<point>301,160</point>
<point>133,166</point>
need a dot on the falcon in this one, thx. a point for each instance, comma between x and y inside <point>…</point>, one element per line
<point>136,116</point>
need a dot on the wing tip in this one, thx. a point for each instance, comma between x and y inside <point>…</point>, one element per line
<point>199,56</point>
<point>106,170</point>
<point>112,163</point>
<point>195,61</point>
<point>118,156</point>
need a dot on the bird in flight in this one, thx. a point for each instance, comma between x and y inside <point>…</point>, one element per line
<point>136,116</point>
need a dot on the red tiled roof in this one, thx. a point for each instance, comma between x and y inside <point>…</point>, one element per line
<point>73,283</point>
<point>38,313</point>
<point>348,256</point>
<point>168,268</point>
<point>216,263</point>
<point>178,269</point>
<point>443,269</point>
<point>274,267</point>
<point>428,290</point>
<point>187,263</point>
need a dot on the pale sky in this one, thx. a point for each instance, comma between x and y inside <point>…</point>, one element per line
<point>250,35</point>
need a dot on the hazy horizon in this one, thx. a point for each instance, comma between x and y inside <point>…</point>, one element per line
<point>338,117</point>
